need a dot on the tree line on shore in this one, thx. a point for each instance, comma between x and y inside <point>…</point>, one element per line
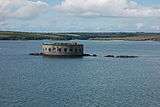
<point>11,35</point>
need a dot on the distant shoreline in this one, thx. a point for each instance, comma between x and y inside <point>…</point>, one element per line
<point>131,38</point>
<point>139,36</point>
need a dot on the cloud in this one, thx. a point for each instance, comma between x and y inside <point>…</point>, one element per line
<point>113,8</point>
<point>155,27</point>
<point>139,25</point>
<point>23,9</point>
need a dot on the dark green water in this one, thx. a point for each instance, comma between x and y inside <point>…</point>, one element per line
<point>36,81</point>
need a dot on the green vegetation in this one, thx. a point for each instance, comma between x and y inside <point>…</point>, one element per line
<point>5,35</point>
<point>9,35</point>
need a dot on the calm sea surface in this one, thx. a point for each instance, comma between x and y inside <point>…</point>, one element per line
<point>36,81</point>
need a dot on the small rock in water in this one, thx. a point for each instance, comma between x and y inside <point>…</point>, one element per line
<point>110,56</point>
<point>36,54</point>
<point>86,55</point>
<point>126,56</point>
<point>94,55</point>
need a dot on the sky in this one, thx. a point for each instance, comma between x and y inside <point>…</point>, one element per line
<point>80,15</point>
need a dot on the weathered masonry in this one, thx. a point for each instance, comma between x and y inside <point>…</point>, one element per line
<point>62,49</point>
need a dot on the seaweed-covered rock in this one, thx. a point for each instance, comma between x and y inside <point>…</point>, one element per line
<point>87,55</point>
<point>110,56</point>
<point>126,56</point>
<point>36,54</point>
<point>94,55</point>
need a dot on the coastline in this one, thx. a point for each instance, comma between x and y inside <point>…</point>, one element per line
<point>102,36</point>
<point>131,38</point>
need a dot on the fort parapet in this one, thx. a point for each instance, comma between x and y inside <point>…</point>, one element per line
<point>62,49</point>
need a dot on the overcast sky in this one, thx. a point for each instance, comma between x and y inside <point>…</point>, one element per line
<point>80,15</point>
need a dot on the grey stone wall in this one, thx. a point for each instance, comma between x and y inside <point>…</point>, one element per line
<point>62,50</point>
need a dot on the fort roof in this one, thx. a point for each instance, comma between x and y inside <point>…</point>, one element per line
<point>62,44</point>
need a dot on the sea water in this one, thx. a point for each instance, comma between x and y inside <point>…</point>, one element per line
<point>37,81</point>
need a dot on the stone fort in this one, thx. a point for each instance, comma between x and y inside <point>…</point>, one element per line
<point>62,49</point>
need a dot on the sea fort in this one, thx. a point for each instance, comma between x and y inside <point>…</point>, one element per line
<point>62,49</point>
